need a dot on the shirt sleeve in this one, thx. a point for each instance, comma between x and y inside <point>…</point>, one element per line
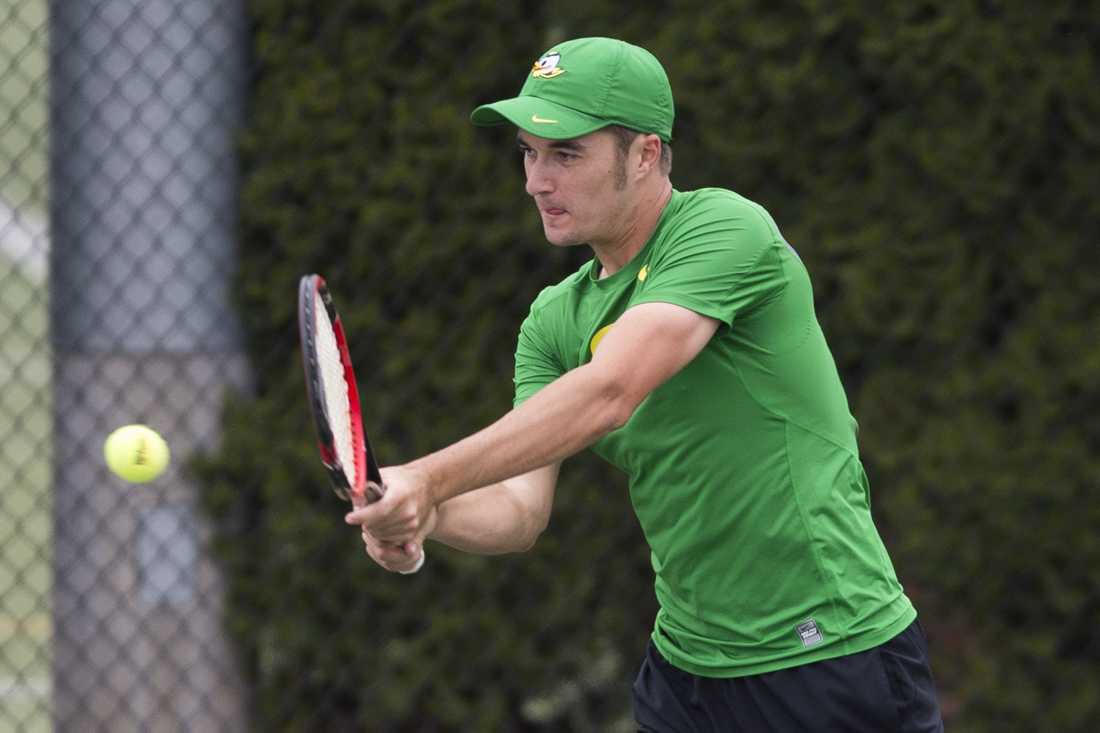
<point>722,262</point>
<point>537,363</point>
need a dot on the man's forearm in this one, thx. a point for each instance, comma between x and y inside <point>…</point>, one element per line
<point>488,521</point>
<point>563,418</point>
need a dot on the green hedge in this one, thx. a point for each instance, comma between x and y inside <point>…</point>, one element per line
<point>932,162</point>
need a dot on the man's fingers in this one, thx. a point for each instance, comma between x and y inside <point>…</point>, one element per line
<point>413,559</point>
<point>399,558</point>
<point>393,558</point>
<point>375,516</point>
<point>398,526</point>
<point>394,527</point>
<point>362,513</point>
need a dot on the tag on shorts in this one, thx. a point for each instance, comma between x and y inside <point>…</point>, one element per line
<point>809,633</point>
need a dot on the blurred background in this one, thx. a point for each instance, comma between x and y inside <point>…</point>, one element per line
<point>168,170</point>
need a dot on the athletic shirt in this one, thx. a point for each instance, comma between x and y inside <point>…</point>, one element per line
<point>743,467</point>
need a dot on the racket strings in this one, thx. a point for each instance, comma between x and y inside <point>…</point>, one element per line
<point>334,387</point>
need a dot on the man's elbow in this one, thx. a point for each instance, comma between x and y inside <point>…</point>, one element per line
<point>526,545</point>
<point>530,519</point>
<point>536,524</point>
<point>524,542</point>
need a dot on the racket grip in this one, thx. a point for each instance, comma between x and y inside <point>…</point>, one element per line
<point>419,564</point>
<point>374,491</point>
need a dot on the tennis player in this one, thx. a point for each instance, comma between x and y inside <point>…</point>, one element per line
<point>688,354</point>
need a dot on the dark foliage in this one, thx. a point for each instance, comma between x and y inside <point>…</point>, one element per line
<point>932,164</point>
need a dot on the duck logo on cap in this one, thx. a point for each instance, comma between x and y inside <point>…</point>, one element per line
<point>547,66</point>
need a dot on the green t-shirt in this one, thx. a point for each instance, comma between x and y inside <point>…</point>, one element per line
<point>744,470</point>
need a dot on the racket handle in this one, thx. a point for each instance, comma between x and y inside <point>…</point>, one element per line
<point>419,564</point>
<point>374,491</point>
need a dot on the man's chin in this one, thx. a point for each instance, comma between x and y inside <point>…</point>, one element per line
<point>558,238</point>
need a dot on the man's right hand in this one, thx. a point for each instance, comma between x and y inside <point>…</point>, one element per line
<point>396,558</point>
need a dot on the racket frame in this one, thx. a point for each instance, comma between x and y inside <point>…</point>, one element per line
<point>367,486</point>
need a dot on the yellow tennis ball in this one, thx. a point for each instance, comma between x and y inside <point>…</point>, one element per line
<point>136,453</point>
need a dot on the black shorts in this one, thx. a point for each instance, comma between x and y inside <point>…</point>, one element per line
<point>887,688</point>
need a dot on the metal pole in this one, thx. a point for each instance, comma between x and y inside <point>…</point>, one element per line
<point>146,98</point>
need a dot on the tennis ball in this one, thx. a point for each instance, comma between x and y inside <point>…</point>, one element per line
<point>136,453</point>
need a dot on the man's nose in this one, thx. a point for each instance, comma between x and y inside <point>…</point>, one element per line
<point>538,180</point>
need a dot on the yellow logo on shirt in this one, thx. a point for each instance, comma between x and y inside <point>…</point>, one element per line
<point>595,342</point>
<point>643,273</point>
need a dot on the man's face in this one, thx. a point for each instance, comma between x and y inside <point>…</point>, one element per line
<point>579,185</point>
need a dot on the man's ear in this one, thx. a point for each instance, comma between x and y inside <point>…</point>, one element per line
<point>650,149</point>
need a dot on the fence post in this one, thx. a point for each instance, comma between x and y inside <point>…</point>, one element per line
<point>146,99</point>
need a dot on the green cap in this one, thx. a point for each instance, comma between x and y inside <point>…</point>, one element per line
<point>583,85</point>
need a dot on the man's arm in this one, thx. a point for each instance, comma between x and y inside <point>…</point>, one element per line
<point>505,517</point>
<point>646,346</point>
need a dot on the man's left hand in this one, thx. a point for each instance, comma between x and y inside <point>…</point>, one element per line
<point>403,513</point>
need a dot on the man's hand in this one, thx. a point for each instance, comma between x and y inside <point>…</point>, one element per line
<point>405,514</point>
<point>395,558</point>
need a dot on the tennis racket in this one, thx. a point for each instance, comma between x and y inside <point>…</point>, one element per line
<point>333,395</point>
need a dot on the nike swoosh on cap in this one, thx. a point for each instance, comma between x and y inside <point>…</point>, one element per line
<point>543,120</point>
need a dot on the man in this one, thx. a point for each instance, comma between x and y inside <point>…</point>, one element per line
<point>687,353</point>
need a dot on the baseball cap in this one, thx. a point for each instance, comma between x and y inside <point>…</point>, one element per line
<point>585,84</point>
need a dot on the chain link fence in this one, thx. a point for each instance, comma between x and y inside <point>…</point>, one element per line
<point>117,125</point>
<point>25,441</point>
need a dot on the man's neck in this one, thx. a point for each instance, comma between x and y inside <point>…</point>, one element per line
<point>642,221</point>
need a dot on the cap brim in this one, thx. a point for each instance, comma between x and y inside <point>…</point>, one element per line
<point>538,117</point>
